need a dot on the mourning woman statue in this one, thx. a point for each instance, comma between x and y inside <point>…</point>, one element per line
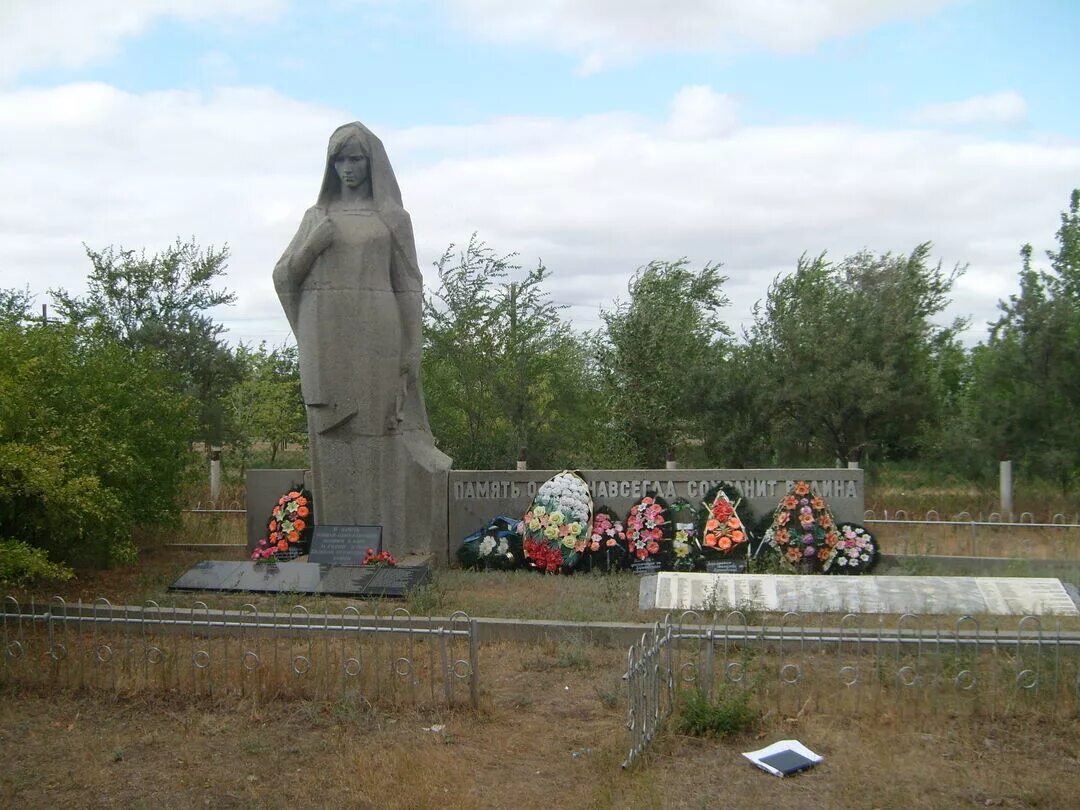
<point>351,288</point>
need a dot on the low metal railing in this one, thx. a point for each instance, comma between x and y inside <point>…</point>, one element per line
<point>864,665</point>
<point>347,655</point>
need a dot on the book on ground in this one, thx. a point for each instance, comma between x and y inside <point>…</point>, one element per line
<point>784,758</point>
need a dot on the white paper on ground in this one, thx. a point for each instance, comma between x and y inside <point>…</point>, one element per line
<point>793,746</point>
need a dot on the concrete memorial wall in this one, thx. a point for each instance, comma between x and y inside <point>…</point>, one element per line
<point>474,497</point>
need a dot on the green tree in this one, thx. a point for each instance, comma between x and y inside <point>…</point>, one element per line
<point>851,355</point>
<point>162,302</point>
<point>1025,400</point>
<point>661,357</point>
<point>501,369</point>
<point>93,441</point>
<point>266,406</point>
<point>15,305</point>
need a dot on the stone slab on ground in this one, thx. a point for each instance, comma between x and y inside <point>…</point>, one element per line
<point>1003,596</point>
<point>303,577</point>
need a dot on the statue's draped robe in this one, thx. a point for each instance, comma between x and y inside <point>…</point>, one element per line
<point>356,315</point>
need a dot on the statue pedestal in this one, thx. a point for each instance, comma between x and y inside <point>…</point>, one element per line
<point>398,482</point>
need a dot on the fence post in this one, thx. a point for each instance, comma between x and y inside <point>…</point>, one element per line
<point>1005,487</point>
<point>474,663</point>
<point>215,472</point>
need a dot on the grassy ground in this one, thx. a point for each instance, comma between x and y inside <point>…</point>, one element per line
<point>549,734</point>
<point>512,594</point>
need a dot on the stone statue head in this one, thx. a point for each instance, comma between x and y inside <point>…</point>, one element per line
<point>355,137</point>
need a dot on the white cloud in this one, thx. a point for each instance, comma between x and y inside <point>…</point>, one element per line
<point>611,31</point>
<point>70,33</point>
<point>699,112</point>
<point>1007,107</point>
<point>594,197</point>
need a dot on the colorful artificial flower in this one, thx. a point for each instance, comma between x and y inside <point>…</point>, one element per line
<point>724,531</point>
<point>647,525</point>
<point>854,550</point>
<point>553,531</point>
<point>803,532</point>
<point>378,559</point>
<point>288,529</point>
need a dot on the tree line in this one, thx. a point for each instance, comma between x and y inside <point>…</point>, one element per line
<point>105,404</point>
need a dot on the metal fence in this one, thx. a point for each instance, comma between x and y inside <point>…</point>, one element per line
<point>227,507</point>
<point>863,666</point>
<point>996,535</point>
<point>1055,520</point>
<point>392,658</point>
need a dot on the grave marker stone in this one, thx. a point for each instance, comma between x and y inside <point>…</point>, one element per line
<point>343,545</point>
<point>310,578</point>
<point>865,594</point>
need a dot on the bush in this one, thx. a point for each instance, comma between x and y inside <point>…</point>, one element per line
<point>49,501</point>
<point>729,714</point>
<point>93,441</point>
<point>22,564</point>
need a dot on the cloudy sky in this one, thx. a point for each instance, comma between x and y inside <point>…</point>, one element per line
<point>595,135</point>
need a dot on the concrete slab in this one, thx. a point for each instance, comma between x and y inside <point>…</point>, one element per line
<point>1003,596</point>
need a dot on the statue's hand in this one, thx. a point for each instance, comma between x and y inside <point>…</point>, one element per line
<point>393,423</point>
<point>322,236</point>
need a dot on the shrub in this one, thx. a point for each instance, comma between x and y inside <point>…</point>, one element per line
<point>730,713</point>
<point>21,564</point>
<point>93,441</point>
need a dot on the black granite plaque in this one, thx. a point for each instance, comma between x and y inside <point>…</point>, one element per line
<point>645,566</point>
<point>293,577</point>
<point>735,566</point>
<point>343,545</point>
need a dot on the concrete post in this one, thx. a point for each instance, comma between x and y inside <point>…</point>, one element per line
<point>215,472</point>
<point>671,463</point>
<point>522,462</point>
<point>1005,487</point>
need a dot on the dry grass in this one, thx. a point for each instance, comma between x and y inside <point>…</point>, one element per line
<point>548,735</point>
<point>980,541</point>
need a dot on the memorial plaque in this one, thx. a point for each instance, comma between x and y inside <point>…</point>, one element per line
<point>645,566</point>
<point>308,578</point>
<point>343,545</point>
<point>863,594</point>
<point>736,566</point>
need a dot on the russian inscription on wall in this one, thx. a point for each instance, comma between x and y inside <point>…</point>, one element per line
<point>478,495</point>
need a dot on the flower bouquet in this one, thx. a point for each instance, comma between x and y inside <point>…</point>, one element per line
<point>288,529</point>
<point>378,559</point>
<point>554,530</point>
<point>497,546</point>
<point>856,551</point>
<point>803,531</point>
<point>724,532</point>
<point>648,530</point>
<point>607,542</point>
<point>685,542</point>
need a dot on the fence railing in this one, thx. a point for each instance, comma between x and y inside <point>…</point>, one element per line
<point>232,507</point>
<point>392,658</point>
<point>862,666</point>
<point>1056,520</point>
<point>967,535</point>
